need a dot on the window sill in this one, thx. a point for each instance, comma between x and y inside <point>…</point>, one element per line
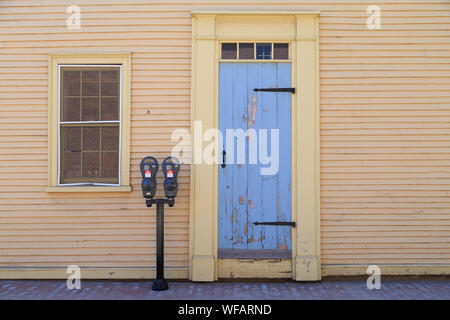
<point>88,189</point>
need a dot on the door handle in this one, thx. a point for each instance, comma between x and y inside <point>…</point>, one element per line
<point>224,159</point>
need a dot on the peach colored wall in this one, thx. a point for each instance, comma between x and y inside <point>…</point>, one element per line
<point>385,131</point>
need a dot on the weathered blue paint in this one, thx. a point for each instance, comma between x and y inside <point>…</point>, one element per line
<point>246,196</point>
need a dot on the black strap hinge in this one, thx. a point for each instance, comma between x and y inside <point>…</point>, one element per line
<point>276,223</point>
<point>291,90</point>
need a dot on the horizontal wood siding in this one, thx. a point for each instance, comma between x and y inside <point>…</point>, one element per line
<point>385,135</point>
<point>385,130</point>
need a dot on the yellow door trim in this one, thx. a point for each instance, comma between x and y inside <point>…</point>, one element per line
<point>254,268</point>
<point>301,29</point>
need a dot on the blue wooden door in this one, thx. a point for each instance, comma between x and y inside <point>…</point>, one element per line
<point>245,195</point>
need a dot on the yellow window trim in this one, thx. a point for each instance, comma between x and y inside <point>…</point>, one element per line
<point>55,59</point>
<point>88,189</point>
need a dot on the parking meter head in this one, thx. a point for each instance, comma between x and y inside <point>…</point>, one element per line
<point>171,167</point>
<point>149,168</point>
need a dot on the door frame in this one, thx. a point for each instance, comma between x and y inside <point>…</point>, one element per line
<point>301,30</point>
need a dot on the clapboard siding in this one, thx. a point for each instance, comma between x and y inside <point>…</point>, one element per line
<point>385,130</point>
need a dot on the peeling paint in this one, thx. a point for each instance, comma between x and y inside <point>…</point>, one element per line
<point>283,245</point>
<point>239,238</point>
<point>232,216</point>
<point>251,114</point>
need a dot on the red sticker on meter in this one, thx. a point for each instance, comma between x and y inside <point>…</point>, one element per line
<point>169,173</point>
<point>148,173</point>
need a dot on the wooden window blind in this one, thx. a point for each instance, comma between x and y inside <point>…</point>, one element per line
<point>89,125</point>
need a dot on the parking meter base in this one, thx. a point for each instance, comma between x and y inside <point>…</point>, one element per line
<point>160,285</point>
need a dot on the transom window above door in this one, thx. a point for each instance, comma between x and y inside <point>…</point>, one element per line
<point>89,124</point>
<point>254,51</point>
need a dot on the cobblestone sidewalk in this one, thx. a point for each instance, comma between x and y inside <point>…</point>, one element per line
<point>347,289</point>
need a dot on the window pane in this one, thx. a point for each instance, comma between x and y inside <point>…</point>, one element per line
<point>110,109</point>
<point>90,75</point>
<point>71,83</point>
<point>110,83</point>
<point>229,51</point>
<point>72,164</point>
<point>72,139</point>
<point>110,164</point>
<point>110,88</point>
<point>90,109</point>
<point>71,109</point>
<point>90,84</point>
<point>91,164</point>
<point>110,138</point>
<point>281,51</point>
<point>263,51</point>
<point>91,139</point>
<point>246,50</point>
<point>110,75</point>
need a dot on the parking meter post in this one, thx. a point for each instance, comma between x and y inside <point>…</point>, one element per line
<point>160,284</point>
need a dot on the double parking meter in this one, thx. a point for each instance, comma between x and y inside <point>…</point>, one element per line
<point>149,169</point>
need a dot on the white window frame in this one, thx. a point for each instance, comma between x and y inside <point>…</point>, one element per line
<point>83,122</point>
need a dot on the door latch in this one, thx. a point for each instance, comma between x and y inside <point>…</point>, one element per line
<point>224,164</point>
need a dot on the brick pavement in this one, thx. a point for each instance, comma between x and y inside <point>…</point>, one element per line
<point>405,288</point>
